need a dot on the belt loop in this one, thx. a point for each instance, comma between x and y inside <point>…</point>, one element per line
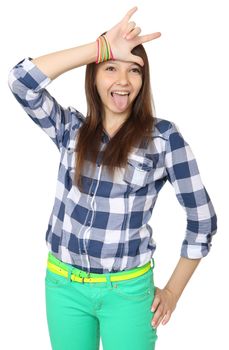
<point>70,268</point>
<point>108,280</point>
<point>88,276</point>
<point>153,261</point>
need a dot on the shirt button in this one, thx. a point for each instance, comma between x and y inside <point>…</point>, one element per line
<point>92,193</point>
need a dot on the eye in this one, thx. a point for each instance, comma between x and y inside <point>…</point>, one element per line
<point>136,70</point>
<point>108,68</point>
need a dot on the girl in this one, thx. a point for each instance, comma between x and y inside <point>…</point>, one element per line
<point>113,162</point>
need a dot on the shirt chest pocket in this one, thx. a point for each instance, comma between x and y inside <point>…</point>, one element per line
<point>137,173</point>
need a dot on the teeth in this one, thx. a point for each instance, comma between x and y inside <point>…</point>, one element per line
<point>120,93</point>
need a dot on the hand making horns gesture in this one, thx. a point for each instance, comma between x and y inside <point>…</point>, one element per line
<point>124,36</point>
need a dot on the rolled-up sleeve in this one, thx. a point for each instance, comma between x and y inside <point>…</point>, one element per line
<point>27,83</point>
<point>183,173</point>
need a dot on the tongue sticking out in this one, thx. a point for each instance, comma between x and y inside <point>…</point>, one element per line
<point>120,101</point>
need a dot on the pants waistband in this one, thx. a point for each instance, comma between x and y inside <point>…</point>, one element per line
<point>57,266</point>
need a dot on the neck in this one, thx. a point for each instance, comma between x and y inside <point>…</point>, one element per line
<point>114,120</point>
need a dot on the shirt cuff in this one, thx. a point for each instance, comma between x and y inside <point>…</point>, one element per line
<point>31,75</point>
<point>195,251</point>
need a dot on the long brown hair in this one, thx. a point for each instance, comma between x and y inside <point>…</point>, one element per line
<point>137,126</point>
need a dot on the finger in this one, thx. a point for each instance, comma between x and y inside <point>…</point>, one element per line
<point>136,31</point>
<point>166,318</point>
<point>158,315</point>
<point>156,302</point>
<point>136,59</point>
<point>130,27</point>
<point>126,18</point>
<point>158,321</point>
<point>148,37</point>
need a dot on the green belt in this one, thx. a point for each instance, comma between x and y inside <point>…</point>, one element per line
<point>57,266</point>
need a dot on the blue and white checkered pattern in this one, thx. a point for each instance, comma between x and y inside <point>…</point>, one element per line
<point>105,228</point>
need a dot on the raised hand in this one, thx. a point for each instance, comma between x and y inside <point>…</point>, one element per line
<point>124,36</point>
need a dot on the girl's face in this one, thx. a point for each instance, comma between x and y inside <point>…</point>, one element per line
<point>118,84</point>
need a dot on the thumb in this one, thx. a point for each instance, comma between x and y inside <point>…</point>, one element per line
<point>136,59</point>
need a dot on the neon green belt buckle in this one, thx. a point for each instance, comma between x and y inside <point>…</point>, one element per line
<point>86,275</point>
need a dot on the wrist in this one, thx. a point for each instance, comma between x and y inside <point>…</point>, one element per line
<point>174,293</point>
<point>104,52</point>
<point>93,52</point>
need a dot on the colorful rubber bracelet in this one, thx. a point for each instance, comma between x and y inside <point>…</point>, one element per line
<point>111,56</point>
<point>107,48</point>
<point>104,52</point>
<point>97,58</point>
<point>101,49</point>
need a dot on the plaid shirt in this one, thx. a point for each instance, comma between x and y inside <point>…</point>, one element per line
<point>105,228</point>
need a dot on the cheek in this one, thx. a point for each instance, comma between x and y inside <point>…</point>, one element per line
<point>137,91</point>
<point>137,85</point>
<point>103,89</point>
<point>100,88</point>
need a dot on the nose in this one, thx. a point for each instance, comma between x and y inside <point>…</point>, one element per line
<point>122,78</point>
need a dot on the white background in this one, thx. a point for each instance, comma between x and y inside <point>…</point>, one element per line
<point>189,78</point>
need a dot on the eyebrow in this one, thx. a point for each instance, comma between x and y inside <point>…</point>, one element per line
<point>113,62</point>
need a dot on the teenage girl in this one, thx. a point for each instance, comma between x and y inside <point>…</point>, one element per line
<point>113,163</point>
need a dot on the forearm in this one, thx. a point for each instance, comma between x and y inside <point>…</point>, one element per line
<point>181,275</point>
<point>59,62</point>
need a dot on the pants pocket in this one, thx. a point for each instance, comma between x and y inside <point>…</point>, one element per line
<point>137,288</point>
<point>53,280</point>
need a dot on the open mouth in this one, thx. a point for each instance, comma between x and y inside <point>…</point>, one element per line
<point>120,99</point>
<point>124,94</point>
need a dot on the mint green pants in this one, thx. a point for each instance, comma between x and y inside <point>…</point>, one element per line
<point>79,314</point>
